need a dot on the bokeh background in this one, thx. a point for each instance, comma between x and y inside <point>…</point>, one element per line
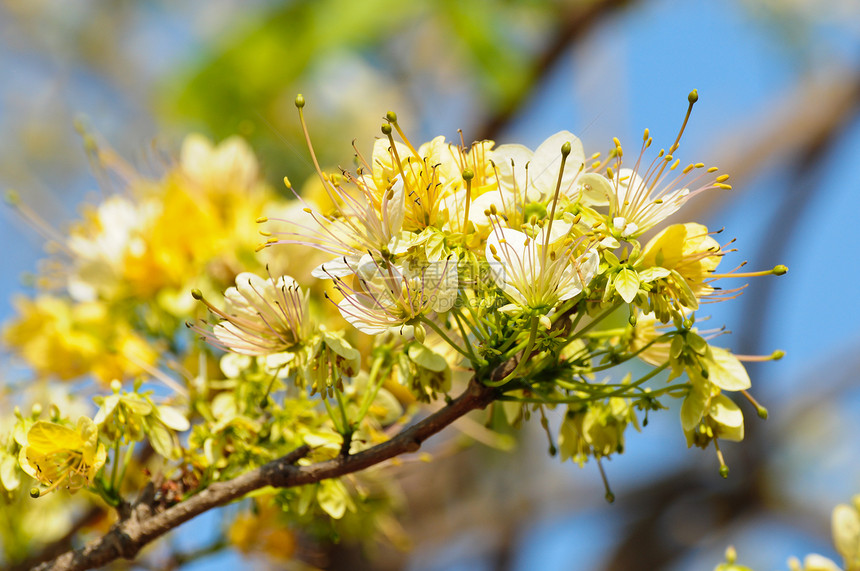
<point>779,86</point>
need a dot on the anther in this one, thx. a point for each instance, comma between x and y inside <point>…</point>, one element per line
<point>262,219</point>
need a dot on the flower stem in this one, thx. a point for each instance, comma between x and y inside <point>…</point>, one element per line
<point>525,357</point>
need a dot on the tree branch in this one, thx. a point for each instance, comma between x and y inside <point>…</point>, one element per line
<point>146,523</point>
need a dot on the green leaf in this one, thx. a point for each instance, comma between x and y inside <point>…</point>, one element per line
<point>728,415</point>
<point>160,437</point>
<point>106,409</point>
<point>697,343</point>
<point>333,498</point>
<point>627,284</point>
<point>427,359</point>
<point>653,273</point>
<point>685,294</point>
<point>172,418</point>
<point>726,371</point>
<point>611,258</point>
<point>693,408</point>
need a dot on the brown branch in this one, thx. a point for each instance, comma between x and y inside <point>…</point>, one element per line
<point>146,523</point>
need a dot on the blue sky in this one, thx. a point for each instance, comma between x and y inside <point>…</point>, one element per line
<point>630,73</point>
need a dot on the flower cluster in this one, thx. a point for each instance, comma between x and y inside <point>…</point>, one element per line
<point>430,266</point>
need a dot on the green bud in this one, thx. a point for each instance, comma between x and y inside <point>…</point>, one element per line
<point>391,116</point>
<point>386,129</point>
<point>54,412</point>
<point>35,493</point>
<point>780,270</point>
<point>565,148</point>
<point>468,174</point>
<point>693,96</point>
<point>762,412</point>
<point>300,100</point>
<point>724,471</point>
<point>197,294</point>
<point>610,497</point>
<point>420,333</point>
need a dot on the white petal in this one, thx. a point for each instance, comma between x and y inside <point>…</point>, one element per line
<point>336,268</point>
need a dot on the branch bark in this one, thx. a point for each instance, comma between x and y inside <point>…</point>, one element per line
<point>146,523</point>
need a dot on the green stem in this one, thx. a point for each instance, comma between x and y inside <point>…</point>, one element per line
<point>629,356</point>
<point>370,396</point>
<point>331,414</point>
<point>447,339</point>
<point>654,372</point>
<point>600,317</point>
<point>129,454</point>
<point>484,333</point>
<point>114,468</point>
<point>474,358</point>
<point>347,427</point>
<point>525,357</point>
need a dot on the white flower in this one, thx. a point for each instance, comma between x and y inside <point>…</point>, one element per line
<point>100,246</point>
<point>534,175</point>
<point>212,166</point>
<point>262,316</point>
<point>635,207</point>
<point>640,198</point>
<point>536,274</point>
<point>361,224</point>
<point>392,297</point>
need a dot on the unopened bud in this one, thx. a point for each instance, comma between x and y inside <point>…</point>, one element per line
<point>386,129</point>
<point>780,270</point>
<point>197,294</point>
<point>391,116</point>
<point>300,100</point>
<point>420,333</point>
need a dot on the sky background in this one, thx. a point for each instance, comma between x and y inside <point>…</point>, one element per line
<point>756,70</point>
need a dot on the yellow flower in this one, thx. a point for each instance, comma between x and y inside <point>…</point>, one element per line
<point>687,249</point>
<point>846,533</point>
<point>229,166</point>
<point>58,337</point>
<point>57,455</point>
